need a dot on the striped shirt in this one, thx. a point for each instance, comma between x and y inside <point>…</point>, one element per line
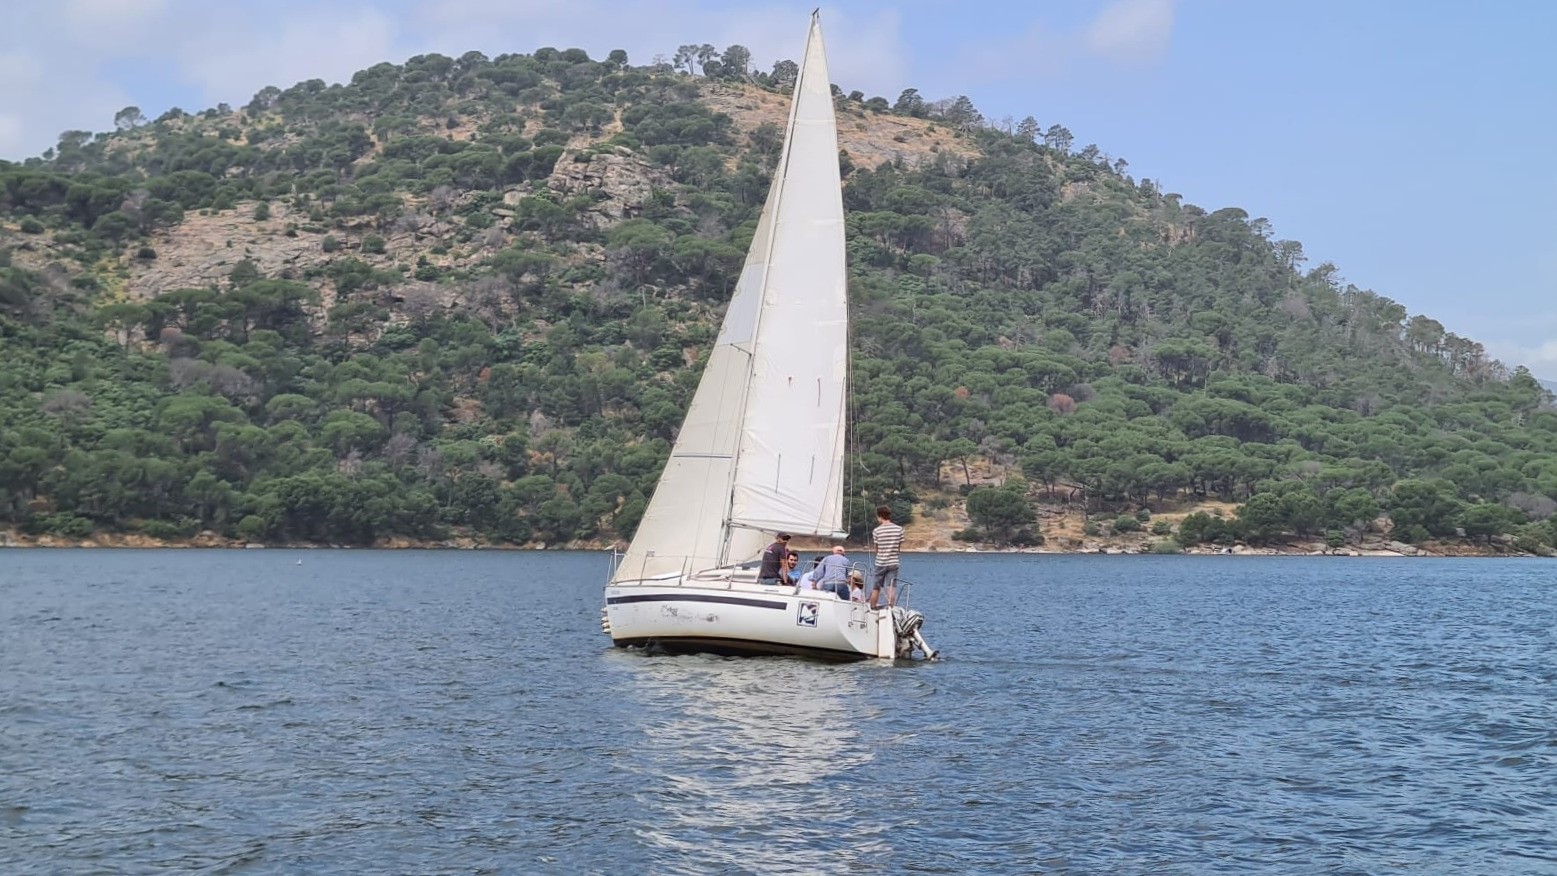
<point>888,538</point>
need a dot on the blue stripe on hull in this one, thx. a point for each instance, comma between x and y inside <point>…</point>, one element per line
<point>695,597</point>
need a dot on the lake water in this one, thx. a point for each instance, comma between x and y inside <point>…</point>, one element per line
<point>458,712</point>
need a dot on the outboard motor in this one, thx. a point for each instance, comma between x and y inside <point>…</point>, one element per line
<point>906,623</point>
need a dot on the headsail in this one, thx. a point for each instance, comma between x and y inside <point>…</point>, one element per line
<point>683,529</point>
<point>762,445</point>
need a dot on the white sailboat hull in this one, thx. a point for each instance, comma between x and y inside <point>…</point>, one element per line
<point>735,617</point>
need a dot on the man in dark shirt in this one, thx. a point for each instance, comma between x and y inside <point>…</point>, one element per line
<point>773,561</point>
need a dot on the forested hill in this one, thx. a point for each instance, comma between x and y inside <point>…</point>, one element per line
<point>471,298</point>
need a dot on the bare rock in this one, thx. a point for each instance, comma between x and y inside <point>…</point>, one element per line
<point>1402,548</point>
<point>201,252</point>
<point>626,182</point>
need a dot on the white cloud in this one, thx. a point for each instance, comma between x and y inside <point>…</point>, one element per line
<point>1037,52</point>
<point>1540,358</point>
<point>229,59</point>
<point>111,12</point>
<point>106,22</point>
<point>40,101</point>
<point>20,75</point>
<point>19,71</point>
<point>12,135</point>
<point>1132,31</point>
<point>486,13</point>
<point>1123,33</point>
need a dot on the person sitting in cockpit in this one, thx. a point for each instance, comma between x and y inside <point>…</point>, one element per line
<point>808,580</point>
<point>835,571</point>
<point>856,586</point>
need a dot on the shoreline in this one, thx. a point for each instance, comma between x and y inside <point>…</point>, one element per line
<point>1109,547</point>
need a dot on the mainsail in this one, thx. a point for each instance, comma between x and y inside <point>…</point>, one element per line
<point>762,446</point>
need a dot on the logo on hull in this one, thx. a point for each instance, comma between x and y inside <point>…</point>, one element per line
<point>805,616</point>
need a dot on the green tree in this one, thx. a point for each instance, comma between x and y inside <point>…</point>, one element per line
<point>129,118</point>
<point>1059,138</point>
<point>348,430</point>
<point>1429,504</point>
<point>1004,513</point>
<point>909,103</point>
<point>1485,520</point>
<point>784,74</point>
<point>735,60</point>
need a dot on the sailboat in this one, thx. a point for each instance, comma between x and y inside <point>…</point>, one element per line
<point>762,450</point>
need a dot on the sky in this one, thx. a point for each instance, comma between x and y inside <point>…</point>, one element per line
<point>1409,142</point>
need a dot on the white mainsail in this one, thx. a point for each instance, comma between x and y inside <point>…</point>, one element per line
<point>789,472</point>
<point>762,446</point>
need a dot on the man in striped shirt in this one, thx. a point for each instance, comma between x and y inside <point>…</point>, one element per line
<point>888,539</point>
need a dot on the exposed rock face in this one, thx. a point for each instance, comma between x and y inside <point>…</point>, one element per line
<point>870,139</point>
<point>624,182</point>
<point>201,251</point>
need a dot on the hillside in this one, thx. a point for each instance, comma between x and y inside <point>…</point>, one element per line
<point>467,298</point>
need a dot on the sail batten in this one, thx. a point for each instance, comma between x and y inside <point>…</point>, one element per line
<point>762,445</point>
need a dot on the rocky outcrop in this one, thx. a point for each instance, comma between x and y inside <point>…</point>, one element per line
<point>201,251</point>
<point>619,181</point>
<point>870,139</point>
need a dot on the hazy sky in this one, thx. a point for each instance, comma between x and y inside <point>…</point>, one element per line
<point>1410,142</point>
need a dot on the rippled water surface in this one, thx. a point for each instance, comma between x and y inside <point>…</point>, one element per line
<point>409,712</point>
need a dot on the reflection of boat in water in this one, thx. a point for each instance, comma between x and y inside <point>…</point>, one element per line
<point>762,446</point>
<point>750,766</point>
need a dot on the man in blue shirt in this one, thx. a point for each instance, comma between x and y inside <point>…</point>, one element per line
<point>834,573</point>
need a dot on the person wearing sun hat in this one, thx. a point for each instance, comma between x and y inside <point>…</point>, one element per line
<point>856,585</point>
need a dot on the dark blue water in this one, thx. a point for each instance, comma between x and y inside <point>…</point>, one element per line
<point>410,712</point>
